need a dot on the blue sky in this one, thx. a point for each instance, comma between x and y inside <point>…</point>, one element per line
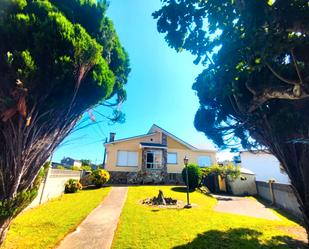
<point>159,88</point>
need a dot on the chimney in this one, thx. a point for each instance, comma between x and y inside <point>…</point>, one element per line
<point>112,136</point>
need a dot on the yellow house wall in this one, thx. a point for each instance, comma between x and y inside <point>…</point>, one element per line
<point>182,151</point>
<point>193,158</point>
<point>129,145</point>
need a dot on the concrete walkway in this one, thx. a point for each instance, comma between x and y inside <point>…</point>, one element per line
<point>97,230</point>
<point>244,206</point>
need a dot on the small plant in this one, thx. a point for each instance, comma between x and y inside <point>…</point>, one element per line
<point>72,186</point>
<point>100,177</point>
<point>194,175</point>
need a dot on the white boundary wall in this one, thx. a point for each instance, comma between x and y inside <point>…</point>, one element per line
<point>53,185</point>
<point>281,195</point>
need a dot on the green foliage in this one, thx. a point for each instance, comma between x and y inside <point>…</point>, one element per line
<point>13,206</point>
<point>76,168</point>
<point>224,171</point>
<point>58,43</point>
<point>72,186</point>
<point>99,177</point>
<point>86,168</point>
<point>250,83</point>
<point>86,162</point>
<point>60,167</point>
<point>254,90</point>
<point>86,165</point>
<point>194,175</point>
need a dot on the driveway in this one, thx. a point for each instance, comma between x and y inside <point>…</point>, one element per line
<point>244,206</point>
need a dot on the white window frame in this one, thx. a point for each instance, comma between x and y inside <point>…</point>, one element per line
<point>154,165</point>
<point>174,153</point>
<point>204,165</point>
<point>126,159</point>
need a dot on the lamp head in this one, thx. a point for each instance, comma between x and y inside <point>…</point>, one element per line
<point>186,160</point>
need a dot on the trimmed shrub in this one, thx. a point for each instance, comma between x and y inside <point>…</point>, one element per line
<point>194,174</point>
<point>72,186</point>
<point>100,177</point>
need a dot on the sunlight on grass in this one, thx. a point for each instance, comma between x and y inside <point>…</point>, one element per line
<point>200,227</point>
<point>44,226</point>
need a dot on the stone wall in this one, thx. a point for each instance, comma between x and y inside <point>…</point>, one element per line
<point>144,177</point>
<point>281,195</point>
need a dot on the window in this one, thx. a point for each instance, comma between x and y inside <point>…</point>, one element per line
<point>204,161</point>
<point>172,158</point>
<point>154,159</point>
<point>127,158</point>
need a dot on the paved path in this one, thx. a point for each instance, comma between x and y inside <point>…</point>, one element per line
<point>244,206</point>
<point>97,230</point>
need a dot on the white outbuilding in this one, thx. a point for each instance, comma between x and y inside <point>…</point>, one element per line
<point>244,184</point>
<point>265,166</point>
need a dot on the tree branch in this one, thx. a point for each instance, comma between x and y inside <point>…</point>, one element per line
<point>297,67</point>
<point>290,82</point>
<point>268,94</point>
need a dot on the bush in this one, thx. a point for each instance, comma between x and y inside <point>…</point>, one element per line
<point>229,170</point>
<point>76,168</point>
<point>86,168</point>
<point>100,177</point>
<point>72,186</point>
<point>60,167</point>
<point>194,174</point>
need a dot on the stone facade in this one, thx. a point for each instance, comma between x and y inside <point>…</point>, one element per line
<point>146,177</point>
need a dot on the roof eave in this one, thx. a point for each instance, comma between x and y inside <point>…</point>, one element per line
<point>130,138</point>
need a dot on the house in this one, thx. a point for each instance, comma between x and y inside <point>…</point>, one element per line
<point>265,166</point>
<point>155,157</point>
<point>69,162</point>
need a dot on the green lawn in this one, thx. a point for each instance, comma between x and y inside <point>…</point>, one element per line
<point>43,227</point>
<point>147,227</point>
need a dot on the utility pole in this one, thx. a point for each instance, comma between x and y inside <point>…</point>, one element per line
<point>104,158</point>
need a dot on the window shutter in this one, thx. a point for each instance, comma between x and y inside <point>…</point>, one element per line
<point>122,158</point>
<point>132,158</point>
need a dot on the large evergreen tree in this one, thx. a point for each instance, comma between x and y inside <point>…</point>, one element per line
<point>255,86</point>
<point>57,59</point>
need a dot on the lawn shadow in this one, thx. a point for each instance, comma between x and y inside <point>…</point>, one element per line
<point>182,189</point>
<point>240,238</point>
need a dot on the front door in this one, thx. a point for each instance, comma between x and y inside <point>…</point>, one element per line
<point>154,159</point>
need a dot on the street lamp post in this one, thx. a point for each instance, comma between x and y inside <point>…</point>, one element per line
<point>186,160</point>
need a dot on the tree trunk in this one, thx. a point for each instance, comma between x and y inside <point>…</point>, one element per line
<point>4,227</point>
<point>295,160</point>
